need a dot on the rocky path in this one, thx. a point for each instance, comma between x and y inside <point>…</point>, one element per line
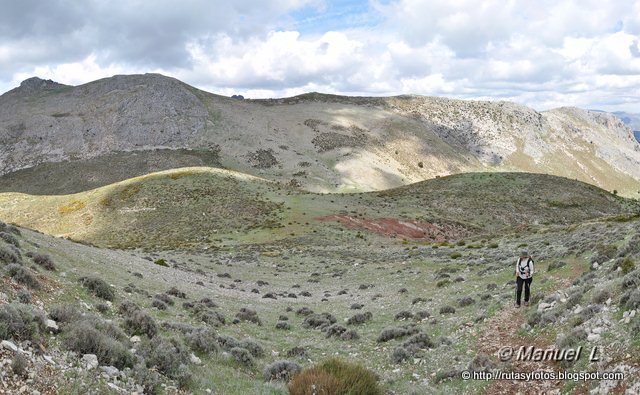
<point>501,332</point>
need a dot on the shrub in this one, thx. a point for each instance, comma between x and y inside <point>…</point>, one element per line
<point>45,261</point>
<point>572,339</point>
<point>399,354</point>
<point>19,364</point>
<point>23,275</point>
<point>419,341</point>
<point>203,340</point>
<point>281,371</point>
<point>247,314</point>
<point>304,311</point>
<point>447,310</point>
<point>481,363</point>
<point>601,296</point>
<point>466,301</point>
<point>335,330</point>
<point>169,356</point>
<point>90,336</point>
<point>297,352</point>
<point>359,318</point>
<point>24,296</point>
<point>20,321</point>
<point>242,355</point>
<point>455,255</point>
<point>138,321</point>
<point>10,239</point>
<point>395,333</point>
<point>283,325</point>
<point>161,262</point>
<point>159,304</point>
<point>165,298</point>
<point>177,293</point>
<point>227,342</point>
<point>350,335</point>
<point>403,315</point>
<point>64,313</point>
<point>627,265</point>
<point>314,381</point>
<point>8,256</point>
<point>148,379</point>
<point>322,320</point>
<point>443,283</point>
<point>253,347</point>
<point>98,287</point>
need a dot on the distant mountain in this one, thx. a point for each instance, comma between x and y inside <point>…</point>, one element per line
<point>321,143</point>
<point>632,120</point>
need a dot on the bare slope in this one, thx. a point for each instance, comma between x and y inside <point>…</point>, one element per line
<point>210,208</point>
<point>323,143</point>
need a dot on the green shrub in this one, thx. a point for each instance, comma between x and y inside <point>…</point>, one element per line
<point>455,255</point>
<point>242,356</point>
<point>281,371</point>
<point>23,275</point>
<point>627,265</point>
<point>168,356</point>
<point>20,321</point>
<point>161,262</point>
<point>98,287</point>
<point>19,365</point>
<point>203,340</point>
<point>10,239</point>
<point>137,321</point>
<point>94,336</point>
<point>8,256</point>
<point>44,261</point>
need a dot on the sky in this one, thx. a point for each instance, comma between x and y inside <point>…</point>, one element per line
<point>540,53</point>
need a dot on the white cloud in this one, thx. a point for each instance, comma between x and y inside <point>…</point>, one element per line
<point>544,53</point>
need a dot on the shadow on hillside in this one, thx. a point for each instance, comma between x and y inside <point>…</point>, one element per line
<point>64,178</point>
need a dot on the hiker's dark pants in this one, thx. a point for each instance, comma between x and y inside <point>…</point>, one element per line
<point>527,290</point>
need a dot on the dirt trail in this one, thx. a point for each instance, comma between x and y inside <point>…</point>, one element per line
<point>501,332</point>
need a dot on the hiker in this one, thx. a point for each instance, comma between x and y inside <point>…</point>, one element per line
<point>524,276</point>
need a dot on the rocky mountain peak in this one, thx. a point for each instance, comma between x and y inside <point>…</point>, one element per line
<point>35,84</point>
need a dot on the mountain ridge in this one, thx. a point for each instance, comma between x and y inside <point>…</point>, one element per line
<point>319,142</point>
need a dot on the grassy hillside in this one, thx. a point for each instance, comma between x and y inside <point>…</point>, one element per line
<point>210,208</point>
<point>416,315</point>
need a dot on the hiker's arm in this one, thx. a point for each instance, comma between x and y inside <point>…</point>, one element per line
<point>517,262</point>
<point>531,268</point>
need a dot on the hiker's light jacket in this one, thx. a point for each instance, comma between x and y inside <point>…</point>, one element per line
<point>522,265</point>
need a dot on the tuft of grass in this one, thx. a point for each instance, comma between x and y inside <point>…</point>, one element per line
<point>71,207</point>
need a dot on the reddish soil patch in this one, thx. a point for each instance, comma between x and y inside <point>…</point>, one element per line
<point>406,229</point>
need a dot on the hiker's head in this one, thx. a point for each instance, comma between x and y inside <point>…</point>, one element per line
<point>524,254</point>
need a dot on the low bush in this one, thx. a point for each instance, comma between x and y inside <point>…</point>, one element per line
<point>98,287</point>
<point>138,321</point>
<point>23,275</point>
<point>204,340</point>
<point>7,255</point>
<point>247,314</point>
<point>359,318</point>
<point>320,321</point>
<point>447,310</point>
<point>395,333</point>
<point>627,265</point>
<point>10,239</point>
<point>400,354</point>
<point>93,336</point>
<point>466,301</point>
<point>169,356</point>
<point>227,342</point>
<point>20,321</point>
<point>44,261</point>
<point>24,296</point>
<point>242,356</point>
<point>19,365</point>
<point>253,347</point>
<point>284,325</point>
<point>281,371</point>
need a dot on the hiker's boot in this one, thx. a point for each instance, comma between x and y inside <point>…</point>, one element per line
<point>526,304</point>
<point>517,306</point>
